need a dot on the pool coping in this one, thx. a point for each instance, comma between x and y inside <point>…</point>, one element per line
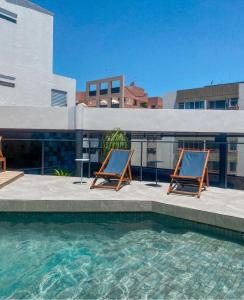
<point>206,217</point>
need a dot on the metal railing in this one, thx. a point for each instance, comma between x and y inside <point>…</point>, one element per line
<point>42,156</point>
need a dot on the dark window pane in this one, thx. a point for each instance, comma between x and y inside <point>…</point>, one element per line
<point>115,90</point>
<point>8,18</point>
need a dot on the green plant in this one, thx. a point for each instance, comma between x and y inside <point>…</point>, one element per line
<point>59,172</point>
<point>144,104</point>
<point>115,139</point>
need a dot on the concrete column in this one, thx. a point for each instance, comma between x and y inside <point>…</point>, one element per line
<point>109,95</point>
<point>78,149</point>
<point>98,94</point>
<point>223,159</point>
<point>122,92</point>
<point>205,104</point>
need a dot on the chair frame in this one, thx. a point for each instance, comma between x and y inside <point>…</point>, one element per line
<point>2,158</point>
<point>124,177</point>
<point>201,182</point>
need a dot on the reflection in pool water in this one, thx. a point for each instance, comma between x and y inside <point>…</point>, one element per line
<point>130,255</point>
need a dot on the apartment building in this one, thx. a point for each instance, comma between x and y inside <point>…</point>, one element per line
<point>229,96</point>
<point>112,92</point>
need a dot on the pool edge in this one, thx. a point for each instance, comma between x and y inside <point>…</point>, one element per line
<point>206,217</point>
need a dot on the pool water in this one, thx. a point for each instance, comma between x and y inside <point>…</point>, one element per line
<point>139,256</point>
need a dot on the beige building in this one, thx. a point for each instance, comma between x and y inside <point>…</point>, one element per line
<point>112,92</point>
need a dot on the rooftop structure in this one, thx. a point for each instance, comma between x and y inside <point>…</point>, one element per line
<point>112,92</point>
<point>30,5</point>
<point>228,96</point>
<point>26,58</point>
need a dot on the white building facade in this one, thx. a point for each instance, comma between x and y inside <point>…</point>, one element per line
<point>26,58</point>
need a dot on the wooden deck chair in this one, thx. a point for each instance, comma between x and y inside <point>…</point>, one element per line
<point>115,168</point>
<point>191,173</point>
<point>2,158</point>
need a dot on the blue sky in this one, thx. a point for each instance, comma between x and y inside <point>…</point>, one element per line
<point>162,45</point>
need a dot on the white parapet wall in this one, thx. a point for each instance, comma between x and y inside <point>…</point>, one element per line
<point>105,119</point>
<point>161,120</point>
<point>37,118</point>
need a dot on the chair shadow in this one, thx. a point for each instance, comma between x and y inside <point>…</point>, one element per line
<point>153,184</point>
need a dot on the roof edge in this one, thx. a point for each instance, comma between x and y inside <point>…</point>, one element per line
<point>30,5</point>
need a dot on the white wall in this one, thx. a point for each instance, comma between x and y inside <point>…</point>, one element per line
<point>161,120</point>
<point>169,100</point>
<point>29,43</point>
<point>141,120</point>
<point>37,118</point>
<point>26,53</point>
<point>241,96</point>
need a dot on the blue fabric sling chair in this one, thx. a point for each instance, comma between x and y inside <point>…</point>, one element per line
<point>191,173</point>
<point>115,168</point>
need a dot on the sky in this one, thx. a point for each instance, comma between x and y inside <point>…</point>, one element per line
<point>162,45</point>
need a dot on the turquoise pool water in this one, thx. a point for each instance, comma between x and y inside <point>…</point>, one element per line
<point>139,256</point>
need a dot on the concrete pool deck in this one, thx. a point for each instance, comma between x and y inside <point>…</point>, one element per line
<point>33,193</point>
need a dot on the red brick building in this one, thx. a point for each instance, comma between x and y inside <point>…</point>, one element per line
<point>111,92</point>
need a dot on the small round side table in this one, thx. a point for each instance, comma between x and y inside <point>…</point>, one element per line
<point>81,160</point>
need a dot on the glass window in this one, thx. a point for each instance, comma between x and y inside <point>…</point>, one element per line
<point>233,147</point>
<point>92,90</point>
<point>191,144</point>
<point>218,104</point>
<point>191,105</point>
<point>211,105</point>
<point>199,105</point>
<point>213,166</point>
<point>8,16</point>
<point>59,98</point>
<point>103,88</point>
<point>115,86</point>
<point>180,144</point>
<point>188,105</point>
<point>233,101</point>
<point>221,104</point>
<point>233,166</point>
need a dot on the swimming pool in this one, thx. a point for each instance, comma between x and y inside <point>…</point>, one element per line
<point>130,255</point>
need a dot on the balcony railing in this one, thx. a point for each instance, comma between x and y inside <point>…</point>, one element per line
<point>43,156</point>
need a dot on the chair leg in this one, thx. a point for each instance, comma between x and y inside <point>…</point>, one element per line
<point>121,180</point>
<point>119,184</point>
<point>200,187</point>
<point>207,178</point>
<point>93,183</point>
<point>170,188</point>
<point>130,174</point>
<point>4,165</point>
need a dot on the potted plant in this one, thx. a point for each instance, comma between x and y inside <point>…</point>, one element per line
<point>115,139</point>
